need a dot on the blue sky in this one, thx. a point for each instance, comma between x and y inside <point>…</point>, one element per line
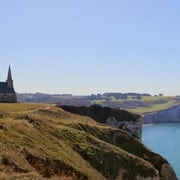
<point>96,46</point>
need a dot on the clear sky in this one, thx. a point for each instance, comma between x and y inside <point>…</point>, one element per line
<point>91,46</point>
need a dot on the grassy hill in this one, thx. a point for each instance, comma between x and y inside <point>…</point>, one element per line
<point>154,104</point>
<point>134,102</point>
<point>42,141</point>
<point>144,104</point>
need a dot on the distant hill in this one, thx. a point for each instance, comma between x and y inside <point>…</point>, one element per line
<point>134,102</point>
<point>40,141</point>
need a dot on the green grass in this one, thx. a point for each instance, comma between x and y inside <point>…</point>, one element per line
<point>155,104</point>
<point>152,108</point>
<point>150,103</point>
<point>42,141</point>
<point>99,101</point>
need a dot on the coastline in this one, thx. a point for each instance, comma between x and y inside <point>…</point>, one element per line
<point>161,138</point>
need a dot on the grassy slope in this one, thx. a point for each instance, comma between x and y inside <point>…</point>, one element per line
<point>40,140</point>
<point>151,103</point>
<point>156,104</point>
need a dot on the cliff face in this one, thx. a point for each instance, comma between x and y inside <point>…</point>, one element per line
<point>165,116</point>
<point>121,119</point>
<point>131,124</point>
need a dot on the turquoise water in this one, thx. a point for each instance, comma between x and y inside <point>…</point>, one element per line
<point>164,139</point>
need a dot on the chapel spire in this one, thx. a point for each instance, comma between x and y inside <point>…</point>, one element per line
<point>9,77</point>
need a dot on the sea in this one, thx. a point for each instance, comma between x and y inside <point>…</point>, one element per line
<point>164,139</point>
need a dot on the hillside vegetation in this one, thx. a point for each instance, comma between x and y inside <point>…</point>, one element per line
<point>154,104</point>
<point>141,104</point>
<point>42,141</point>
<point>134,102</point>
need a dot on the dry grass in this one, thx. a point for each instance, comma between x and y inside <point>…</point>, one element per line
<point>39,140</point>
<point>19,107</point>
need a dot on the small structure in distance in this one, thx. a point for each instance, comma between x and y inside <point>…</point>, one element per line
<point>7,92</point>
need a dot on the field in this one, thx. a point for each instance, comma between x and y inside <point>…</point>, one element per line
<point>142,105</point>
<point>156,104</point>
<point>42,141</point>
<point>20,107</point>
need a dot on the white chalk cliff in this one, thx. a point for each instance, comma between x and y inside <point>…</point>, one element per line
<point>165,116</point>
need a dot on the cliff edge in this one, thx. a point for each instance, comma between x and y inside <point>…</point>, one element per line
<point>165,116</point>
<point>40,141</point>
<point>132,123</point>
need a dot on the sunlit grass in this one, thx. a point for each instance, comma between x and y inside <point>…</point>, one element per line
<point>151,103</point>
<point>156,104</point>
<point>17,107</point>
<point>152,108</point>
<point>90,149</point>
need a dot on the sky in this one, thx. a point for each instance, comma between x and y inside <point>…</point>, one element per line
<point>83,47</point>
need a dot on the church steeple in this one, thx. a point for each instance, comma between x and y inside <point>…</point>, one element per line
<point>9,74</point>
<point>9,78</point>
<point>7,92</point>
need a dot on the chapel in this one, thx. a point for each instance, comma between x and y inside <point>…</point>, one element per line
<point>7,92</point>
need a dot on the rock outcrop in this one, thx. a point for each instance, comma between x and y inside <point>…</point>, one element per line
<point>121,119</point>
<point>165,116</point>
